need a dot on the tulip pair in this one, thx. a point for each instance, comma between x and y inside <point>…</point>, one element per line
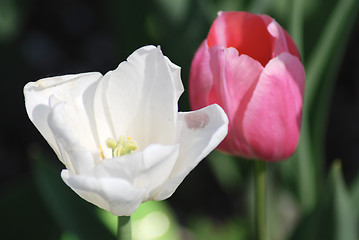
<point>251,67</point>
<point>121,137</point>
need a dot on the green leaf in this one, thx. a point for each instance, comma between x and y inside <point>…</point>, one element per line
<point>72,213</point>
<point>299,172</point>
<point>332,35</point>
<point>297,24</point>
<point>354,190</point>
<point>333,218</point>
<point>346,227</point>
<point>319,108</point>
<point>306,164</point>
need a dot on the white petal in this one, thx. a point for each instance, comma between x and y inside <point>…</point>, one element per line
<point>112,194</point>
<point>147,169</point>
<point>104,125</point>
<point>77,89</point>
<point>158,162</point>
<point>68,130</point>
<point>120,184</point>
<point>141,98</point>
<point>176,77</point>
<point>198,132</point>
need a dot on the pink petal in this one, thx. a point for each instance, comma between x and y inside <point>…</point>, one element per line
<point>201,78</point>
<point>271,123</point>
<point>281,41</point>
<point>235,78</point>
<point>244,31</point>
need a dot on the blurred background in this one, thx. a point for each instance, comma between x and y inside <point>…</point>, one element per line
<point>313,195</point>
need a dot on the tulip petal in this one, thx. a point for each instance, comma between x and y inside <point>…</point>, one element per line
<point>271,123</point>
<point>141,98</point>
<point>68,131</point>
<point>244,31</point>
<point>146,169</point>
<point>104,124</point>
<point>77,89</point>
<point>281,40</point>
<point>198,132</point>
<point>140,173</point>
<point>112,194</point>
<point>201,78</point>
<point>157,161</point>
<point>235,78</point>
<point>176,77</point>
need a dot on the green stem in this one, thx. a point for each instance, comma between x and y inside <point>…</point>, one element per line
<point>260,183</point>
<point>124,228</point>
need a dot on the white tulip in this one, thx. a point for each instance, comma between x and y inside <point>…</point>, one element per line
<point>120,135</point>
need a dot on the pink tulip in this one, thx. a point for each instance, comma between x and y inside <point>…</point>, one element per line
<point>251,67</point>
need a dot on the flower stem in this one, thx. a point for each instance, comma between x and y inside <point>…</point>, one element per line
<point>124,228</point>
<point>260,196</point>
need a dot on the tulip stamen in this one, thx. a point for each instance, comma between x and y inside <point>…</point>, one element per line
<point>102,156</point>
<point>124,145</point>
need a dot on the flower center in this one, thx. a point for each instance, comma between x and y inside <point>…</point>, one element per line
<point>124,145</point>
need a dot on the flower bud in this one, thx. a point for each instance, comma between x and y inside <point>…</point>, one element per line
<point>251,67</point>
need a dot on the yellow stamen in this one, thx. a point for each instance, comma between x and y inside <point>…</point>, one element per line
<point>101,153</point>
<point>111,143</point>
<point>122,146</point>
